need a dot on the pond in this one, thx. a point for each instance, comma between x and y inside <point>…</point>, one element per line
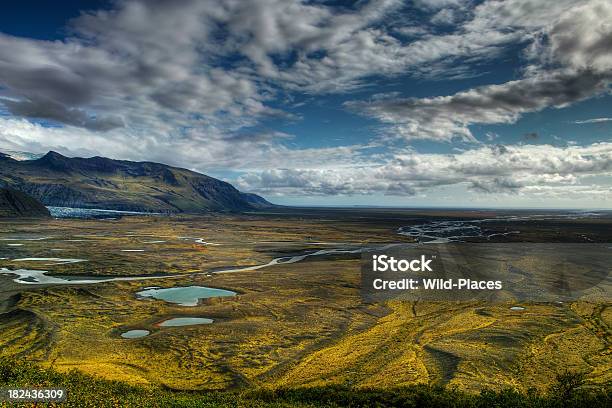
<point>55,261</point>
<point>185,321</point>
<point>184,295</point>
<point>134,334</point>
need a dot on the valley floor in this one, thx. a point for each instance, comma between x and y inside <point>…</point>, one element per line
<point>290,325</point>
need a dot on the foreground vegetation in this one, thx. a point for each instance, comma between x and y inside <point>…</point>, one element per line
<point>86,391</point>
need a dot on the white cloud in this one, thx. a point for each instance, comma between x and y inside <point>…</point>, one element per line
<point>574,63</point>
<point>490,169</point>
<point>595,120</point>
<point>443,118</point>
<point>581,38</point>
<point>430,5</point>
<point>203,152</point>
<point>146,62</point>
<point>444,17</point>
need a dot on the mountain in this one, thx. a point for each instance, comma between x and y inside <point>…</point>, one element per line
<point>100,182</point>
<point>14,203</point>
<point>14,154</point>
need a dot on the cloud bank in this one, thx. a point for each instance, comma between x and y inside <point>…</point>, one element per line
<point>489,169</point>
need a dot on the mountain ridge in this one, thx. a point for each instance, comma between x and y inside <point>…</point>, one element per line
<point>101,182</point>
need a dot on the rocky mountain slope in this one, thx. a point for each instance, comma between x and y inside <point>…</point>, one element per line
<point>14,203</point>
<point>100,182</point>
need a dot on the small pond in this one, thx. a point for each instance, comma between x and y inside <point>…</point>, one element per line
<point>134,334</point>
<point>185,321</point>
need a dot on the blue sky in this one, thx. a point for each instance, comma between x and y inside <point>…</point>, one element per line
<point>381,102</point>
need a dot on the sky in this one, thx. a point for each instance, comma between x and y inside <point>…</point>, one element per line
<point>443,103</point>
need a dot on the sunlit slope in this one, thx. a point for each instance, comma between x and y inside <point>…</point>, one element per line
<point>470,346</point>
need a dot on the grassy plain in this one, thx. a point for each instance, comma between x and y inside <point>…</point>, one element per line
<point>294,325</point>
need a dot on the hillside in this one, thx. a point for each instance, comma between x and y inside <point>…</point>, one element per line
<point>100,182</point>
<point>14,203</point>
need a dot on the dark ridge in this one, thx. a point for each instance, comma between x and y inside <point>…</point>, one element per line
<point>14,203</point>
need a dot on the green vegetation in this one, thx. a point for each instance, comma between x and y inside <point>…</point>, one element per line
<point>86,391</point>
